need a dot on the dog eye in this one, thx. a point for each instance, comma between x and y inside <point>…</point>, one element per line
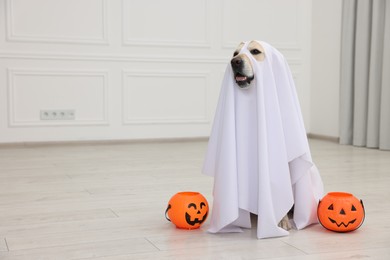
<point>235,53</point>
<point>255,51</point>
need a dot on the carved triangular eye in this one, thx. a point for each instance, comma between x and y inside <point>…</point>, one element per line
<point>330,207</point>
<point>353,208</point>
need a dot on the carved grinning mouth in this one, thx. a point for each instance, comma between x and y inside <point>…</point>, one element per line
<point>196,220</point>
<point>342,223</point>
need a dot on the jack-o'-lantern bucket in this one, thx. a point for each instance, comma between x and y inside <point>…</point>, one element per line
<point>341,212</point>
<point>187,210</point>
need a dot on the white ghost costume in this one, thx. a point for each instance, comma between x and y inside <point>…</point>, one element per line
<point>258,152</point>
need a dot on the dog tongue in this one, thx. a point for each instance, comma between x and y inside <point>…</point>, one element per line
<point>240,78</point>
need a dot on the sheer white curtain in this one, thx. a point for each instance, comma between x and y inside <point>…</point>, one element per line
<point>365,74</point>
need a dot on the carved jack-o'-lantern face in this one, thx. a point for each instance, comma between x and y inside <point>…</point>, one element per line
<point>196,214</point>
<point>340,212</point>
<point>187,210</point>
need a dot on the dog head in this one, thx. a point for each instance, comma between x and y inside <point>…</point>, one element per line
<point>242,65</point>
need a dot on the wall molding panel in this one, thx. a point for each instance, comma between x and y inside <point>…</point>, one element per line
<point>261,26</point>
<point>30,91</point>
<point>173,29</point>
<point>193,98</point>
<point>55,25</point>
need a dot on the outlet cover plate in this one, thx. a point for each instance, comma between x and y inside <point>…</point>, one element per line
<point>58,114</point>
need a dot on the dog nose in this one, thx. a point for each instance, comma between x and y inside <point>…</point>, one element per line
<point>236,62</point>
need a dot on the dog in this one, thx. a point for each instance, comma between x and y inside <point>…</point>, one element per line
<point>258,153</point>
<point>244,75</point>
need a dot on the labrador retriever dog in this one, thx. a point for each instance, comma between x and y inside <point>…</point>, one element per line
<point>244,74</point>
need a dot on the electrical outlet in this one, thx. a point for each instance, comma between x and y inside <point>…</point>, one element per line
<point>67,114</point>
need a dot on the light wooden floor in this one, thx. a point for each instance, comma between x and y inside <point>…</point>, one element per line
<point>107,202</point>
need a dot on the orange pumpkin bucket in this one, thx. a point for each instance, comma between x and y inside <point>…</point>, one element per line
<point>341,212</point>
<point>187,210</point>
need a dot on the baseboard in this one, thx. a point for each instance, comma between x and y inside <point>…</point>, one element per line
<point>323,137</point>
<point>103,142</point>
<point>138,141</point>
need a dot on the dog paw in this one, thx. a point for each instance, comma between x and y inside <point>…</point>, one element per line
<point>285,223</point>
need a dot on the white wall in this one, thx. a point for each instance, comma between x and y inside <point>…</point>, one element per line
<point>325,67</point>
<point>133,71</point>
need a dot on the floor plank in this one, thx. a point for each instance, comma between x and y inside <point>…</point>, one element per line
<point>55,216</point>
<point>3,245</point>
<point>82,250</point>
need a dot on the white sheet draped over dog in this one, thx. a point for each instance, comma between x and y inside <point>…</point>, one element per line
<point>258,153</point>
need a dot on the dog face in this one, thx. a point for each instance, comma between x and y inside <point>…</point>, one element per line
<point>242,65</point>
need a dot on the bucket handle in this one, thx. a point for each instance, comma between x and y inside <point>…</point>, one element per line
<point>166,211</point>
